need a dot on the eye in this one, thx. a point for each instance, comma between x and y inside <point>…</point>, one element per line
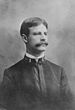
<point>45,33</point>
<point>37,33</point>
<point>34,33</point>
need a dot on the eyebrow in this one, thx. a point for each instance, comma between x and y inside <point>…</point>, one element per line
<point>36,33</point>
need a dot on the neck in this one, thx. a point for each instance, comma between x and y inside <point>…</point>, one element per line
<point>36,54</point>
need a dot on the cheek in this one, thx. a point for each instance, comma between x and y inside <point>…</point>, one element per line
<point>32,42</point>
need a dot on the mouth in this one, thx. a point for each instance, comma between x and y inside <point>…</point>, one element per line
<point>42,44</point>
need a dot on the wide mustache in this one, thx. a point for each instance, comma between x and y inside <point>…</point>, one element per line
<point>41,43</point>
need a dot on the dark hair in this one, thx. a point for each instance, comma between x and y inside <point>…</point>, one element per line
<point>30,22</point>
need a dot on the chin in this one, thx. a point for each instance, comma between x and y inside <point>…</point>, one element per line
<point>41,50</point>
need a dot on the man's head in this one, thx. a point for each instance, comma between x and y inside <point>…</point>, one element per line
<point>34,34</point>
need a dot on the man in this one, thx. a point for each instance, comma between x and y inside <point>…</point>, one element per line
<point>34,83</point>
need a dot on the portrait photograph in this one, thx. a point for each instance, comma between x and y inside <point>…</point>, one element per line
<point>37,55</point>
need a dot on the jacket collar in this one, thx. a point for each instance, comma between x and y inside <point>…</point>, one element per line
<point>29,58</point>
<point>33,57</point>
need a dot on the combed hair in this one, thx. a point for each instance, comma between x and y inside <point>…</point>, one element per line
<point>31,22</point>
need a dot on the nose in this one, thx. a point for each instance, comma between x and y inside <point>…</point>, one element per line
<point>43,37</point>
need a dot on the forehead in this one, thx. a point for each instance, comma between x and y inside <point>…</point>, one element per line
<point>39,28</point>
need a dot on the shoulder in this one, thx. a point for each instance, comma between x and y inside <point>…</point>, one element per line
<point>53,65</point>
<point>56,69</point>
<point>17,65</point>
<point>14,69</point>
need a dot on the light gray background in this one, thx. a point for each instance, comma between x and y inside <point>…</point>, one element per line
<point>60,15</point>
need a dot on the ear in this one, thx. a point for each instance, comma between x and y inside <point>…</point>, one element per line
<point>24,37</point>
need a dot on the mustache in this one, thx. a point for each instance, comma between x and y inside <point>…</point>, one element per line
<point>41,43</point>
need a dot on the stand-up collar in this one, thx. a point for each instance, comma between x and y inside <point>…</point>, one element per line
<point>30,58</point>
<point>33,57</point>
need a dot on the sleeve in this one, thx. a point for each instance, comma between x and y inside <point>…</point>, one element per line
<point>7,89</point>
<point>65,92</point>
<point>65,89</point>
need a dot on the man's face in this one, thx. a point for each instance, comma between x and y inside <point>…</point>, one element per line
<point>37,39</point>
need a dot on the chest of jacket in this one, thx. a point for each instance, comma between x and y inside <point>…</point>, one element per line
<point>27,85</point>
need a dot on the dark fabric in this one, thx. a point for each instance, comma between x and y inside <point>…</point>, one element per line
<point>39,77</point>
<point>18,90</point>
<point>36,76</point>
<point>42,79</point>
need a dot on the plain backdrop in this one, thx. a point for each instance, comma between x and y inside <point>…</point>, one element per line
<point>60,15</point>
